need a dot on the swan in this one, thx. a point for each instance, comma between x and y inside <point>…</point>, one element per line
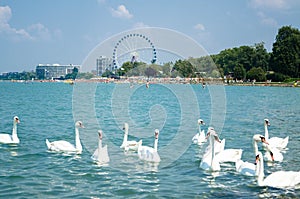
<point>13,138</point>
<point>277,142</point>
<point>200,137</point>
<point>150,154</point>
<point>209,162</point>
<point>129,145</point>
<point>278,179</point>
<point>248,168</point>
<point>101,155</point>
<point>64,146</point>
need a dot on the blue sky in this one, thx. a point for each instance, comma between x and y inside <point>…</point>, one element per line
<point>65,31</point>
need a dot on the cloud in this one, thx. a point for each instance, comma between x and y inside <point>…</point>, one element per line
<point>267,20</point>
<point>33,32</point>
<point>5,15</point>
<point>121,12</point>
<point>274,4</point>
<point>199,27</point>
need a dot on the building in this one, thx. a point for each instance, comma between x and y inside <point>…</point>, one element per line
<point>104,64</point>
<point>54,71</point>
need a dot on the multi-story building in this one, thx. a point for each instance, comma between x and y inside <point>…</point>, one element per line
<point>54,71</point>
<point>104,64</point>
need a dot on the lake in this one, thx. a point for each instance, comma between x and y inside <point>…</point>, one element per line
<point>49,110</point>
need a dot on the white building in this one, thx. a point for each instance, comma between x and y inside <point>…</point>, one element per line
<point>54,71</point>
<point>104,64</point>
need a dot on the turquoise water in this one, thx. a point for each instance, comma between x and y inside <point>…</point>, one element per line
<point>47,110</point>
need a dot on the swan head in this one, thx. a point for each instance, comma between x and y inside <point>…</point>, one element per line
<point>125,128</point>
<point>267,122</point>
<point>156,133</point>
<point>200,121</point>
<point>16,120</point>
<point>260,138</point>
<point>100,132</point>
<point>79,124</point>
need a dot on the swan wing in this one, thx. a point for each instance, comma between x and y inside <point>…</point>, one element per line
<point>62,145</point>
<point>5,138</point>
<point>245,168</point>
<point>148,154</point>
<point>229,155</point>
<point>281,179</point>
<point>101,155</point>
<point>279,143</point>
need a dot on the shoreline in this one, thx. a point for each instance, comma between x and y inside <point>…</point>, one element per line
<point>143,80</point>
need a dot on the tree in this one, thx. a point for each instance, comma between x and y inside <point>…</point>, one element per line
<point>150,72</point>
<point>239,72</point>
<point>185,68</point>
<point>285,56</point>
<point>256,73</point>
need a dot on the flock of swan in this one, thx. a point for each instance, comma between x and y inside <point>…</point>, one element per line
<point>214,154</point>
<point>100,155</point>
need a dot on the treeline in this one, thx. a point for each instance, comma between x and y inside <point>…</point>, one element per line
<point>254,62</point>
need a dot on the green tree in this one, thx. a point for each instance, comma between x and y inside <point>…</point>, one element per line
<point>239,72</point>
<point>185,68</point>
<point>285,56</point>
<point>256,73</point>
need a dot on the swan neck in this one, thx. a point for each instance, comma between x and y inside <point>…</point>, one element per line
<point>212,144</point>
<point>14,130</point>
<point>255,147</point>
<point>199,129</point>
<point>266,132</point>
<point>77,140</point>
<point>155,144</point>
<point>125,136</point>
<point>260,172</point>
<point>100,144</point>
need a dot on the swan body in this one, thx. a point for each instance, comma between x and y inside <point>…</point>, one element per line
<point>64,146</point>
<point>278,179</point>
<point>129,145</point>
<point>200,137</point>
<point>209,162</point>
<point>101,154</point>
<point>13,138</point>
<point>229,155</point>
<point>247,168</point>
<point>150,154</point>
<point>279,143</point>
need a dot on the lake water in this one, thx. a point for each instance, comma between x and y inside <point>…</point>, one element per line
<point>48,110</point>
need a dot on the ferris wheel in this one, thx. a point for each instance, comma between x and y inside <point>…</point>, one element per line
<point>133,47</point>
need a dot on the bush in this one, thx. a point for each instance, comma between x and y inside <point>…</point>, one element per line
<point>277,77</point>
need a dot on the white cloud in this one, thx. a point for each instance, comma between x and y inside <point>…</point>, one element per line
<point>199,27</point>
<point>33,32</point>
<point>121,12</point>
<point>267,20</point>
<point>5,15</point>
<point>274,4</point>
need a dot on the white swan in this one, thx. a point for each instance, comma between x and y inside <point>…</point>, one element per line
<point>209,162</point>
<point>278,179</point>
<point>200,137</point>
<point>129,145</point>
<point>101,155</point>
<point>64,146</point>
<point>248,168</point>
<point>279,143</point>
<point>150,154</point>
<point>13,138</point>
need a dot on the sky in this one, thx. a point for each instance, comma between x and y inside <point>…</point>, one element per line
<point>66,31</point>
